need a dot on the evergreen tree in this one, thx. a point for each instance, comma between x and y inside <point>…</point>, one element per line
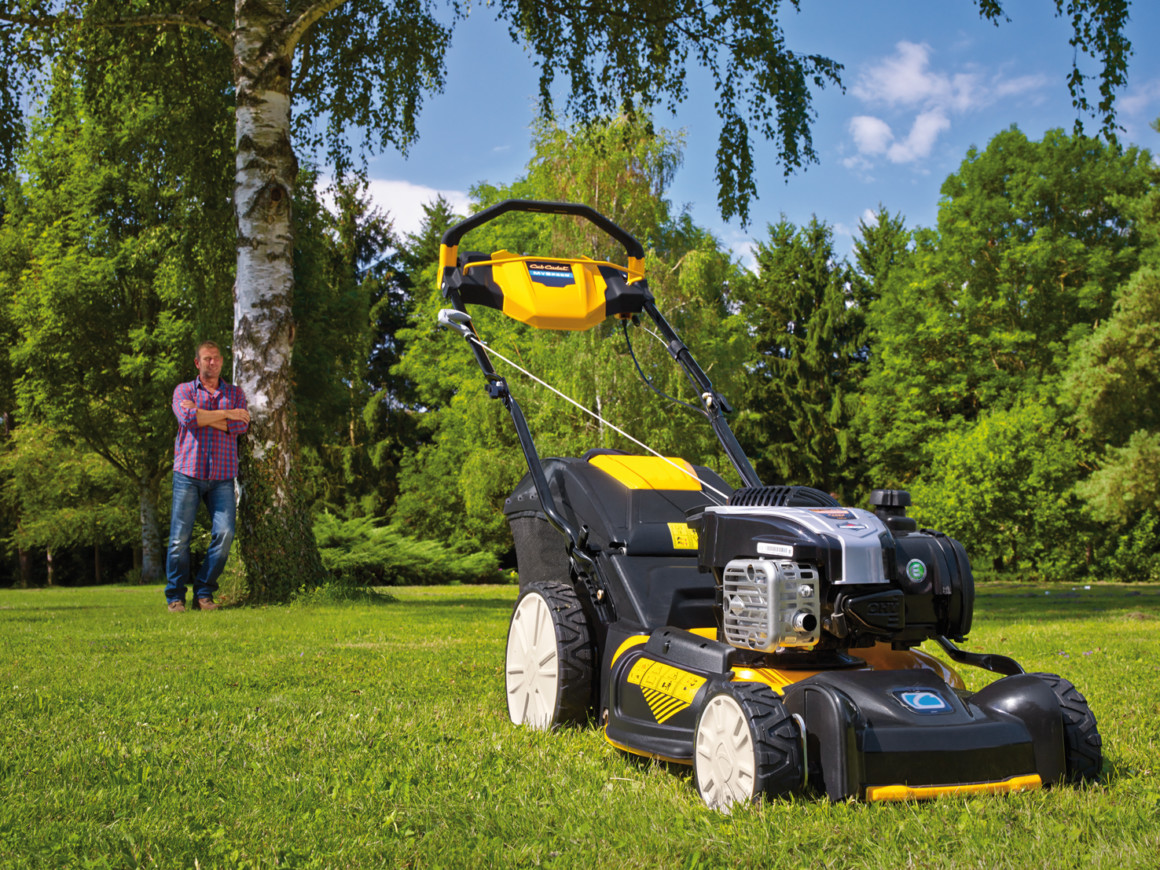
<point>882,245</point>
<point>807,360</point>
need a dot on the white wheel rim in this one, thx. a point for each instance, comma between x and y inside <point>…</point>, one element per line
<point>532,664</point>
<point>725,760</point>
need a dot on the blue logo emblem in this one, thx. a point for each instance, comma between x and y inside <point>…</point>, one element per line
<point>923,701</point>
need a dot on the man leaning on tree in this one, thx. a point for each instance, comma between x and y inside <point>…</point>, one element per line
<point>211,414</point>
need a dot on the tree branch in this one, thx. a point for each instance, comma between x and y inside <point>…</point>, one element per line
<point>175,19</point>
<point>310,16</point>
<point>197,22</point>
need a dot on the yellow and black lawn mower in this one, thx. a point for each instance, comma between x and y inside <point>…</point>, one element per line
<point>766,635</point>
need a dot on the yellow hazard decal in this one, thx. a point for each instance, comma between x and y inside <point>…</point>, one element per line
<point>667,690</point>
<point>684,538</point>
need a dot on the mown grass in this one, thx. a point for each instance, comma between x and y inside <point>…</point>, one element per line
<point>376,735</point>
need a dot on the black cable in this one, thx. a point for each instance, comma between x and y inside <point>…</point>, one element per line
<point>648,381</point>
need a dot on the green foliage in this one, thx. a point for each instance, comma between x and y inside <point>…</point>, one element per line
<point>360,553</point>
<point>377,736</point>
<point>1003,485</point>
<point>635,55</point>
<point>1114,383</point>
<point>349,303</point>
<point>1133,552</point>
<point>882,245</point>
<point>110,266</point>
<point>639,60</point>
<point>1097,27</point>
<point>63,496</point>
<point>1032,239</point>
<point>804,313</point>
<point>454,484</point>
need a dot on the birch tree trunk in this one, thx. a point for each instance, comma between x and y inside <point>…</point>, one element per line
<point>152,552</point>
<point>275,535</point>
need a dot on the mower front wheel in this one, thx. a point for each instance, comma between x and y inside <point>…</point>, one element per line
<point>747,745</point>
<point>548,664</point>
<point>1083,748</point>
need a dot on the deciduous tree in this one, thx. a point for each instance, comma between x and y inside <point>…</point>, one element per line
<point>368,64</point>
<point>110,265</point>
<point>455,484</point>
<point>1032,241</point>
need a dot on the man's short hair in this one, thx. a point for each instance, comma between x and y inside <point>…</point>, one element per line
<point>206,343</point>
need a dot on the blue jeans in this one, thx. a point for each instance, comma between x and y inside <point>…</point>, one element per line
<point>218,496</point>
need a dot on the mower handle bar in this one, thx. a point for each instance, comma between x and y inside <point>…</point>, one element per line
<point>631,246</point>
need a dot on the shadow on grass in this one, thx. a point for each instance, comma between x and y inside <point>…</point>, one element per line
<point>23,609</point>
<point>503,604</point>
<point>1065,603</point>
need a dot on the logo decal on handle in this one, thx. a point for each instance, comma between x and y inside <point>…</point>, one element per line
<point>551,274</point>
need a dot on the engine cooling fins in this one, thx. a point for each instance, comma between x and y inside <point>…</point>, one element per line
<point>781,496</point>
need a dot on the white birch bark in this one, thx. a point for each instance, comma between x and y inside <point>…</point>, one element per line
<point>263,194</point>
<point>275,533</point>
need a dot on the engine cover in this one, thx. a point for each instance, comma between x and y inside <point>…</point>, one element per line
<point>848,543</point>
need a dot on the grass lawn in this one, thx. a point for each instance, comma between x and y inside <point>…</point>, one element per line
<point>376,735</point>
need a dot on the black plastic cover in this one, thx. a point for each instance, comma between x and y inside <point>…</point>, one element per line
<point>869,728</point>
<point>650,581</point>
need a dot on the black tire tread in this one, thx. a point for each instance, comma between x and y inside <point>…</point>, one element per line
<point>1082,743</point>
<point>574,649</point>
<point>777,740</point>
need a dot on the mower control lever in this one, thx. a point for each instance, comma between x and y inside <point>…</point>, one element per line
<point>460,321</point>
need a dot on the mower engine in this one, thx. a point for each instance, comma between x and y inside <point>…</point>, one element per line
<point>798,573</point>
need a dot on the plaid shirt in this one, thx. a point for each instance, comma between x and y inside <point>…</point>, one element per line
<point>203,451</point>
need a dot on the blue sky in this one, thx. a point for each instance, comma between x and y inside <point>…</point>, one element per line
<point>924,82</point>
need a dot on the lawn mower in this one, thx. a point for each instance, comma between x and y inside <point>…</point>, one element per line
<point>765,635</point>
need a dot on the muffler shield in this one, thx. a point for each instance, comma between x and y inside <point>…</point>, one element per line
<point>771,605</point>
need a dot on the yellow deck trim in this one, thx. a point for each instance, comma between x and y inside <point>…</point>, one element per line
<point>648,472</point>
<point>916,793</point>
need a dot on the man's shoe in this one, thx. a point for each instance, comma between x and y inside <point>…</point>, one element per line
<point>206,604</point>
<point>177,607</point>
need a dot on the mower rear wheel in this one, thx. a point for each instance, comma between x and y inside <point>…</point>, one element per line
<point>548,664</point>
<point>747,745</point>
<point>1081,739</point>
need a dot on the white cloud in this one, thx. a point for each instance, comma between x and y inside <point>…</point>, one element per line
<point>870,217</point>
<point>1018,86</point>
<point>907,88</point>
<point>403,201</point>
<point>920,141</point>
<point>742,246</point>
<point>871,135</point>
<point>907,80</point>
<point>1141,98</point>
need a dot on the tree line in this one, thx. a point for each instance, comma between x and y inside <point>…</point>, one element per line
<point>1000,365</point>
<point>296,77</point>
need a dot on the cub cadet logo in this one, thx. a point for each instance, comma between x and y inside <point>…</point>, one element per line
<point>552,274</point>
<point>923,700</point>
<point>666,689</point>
